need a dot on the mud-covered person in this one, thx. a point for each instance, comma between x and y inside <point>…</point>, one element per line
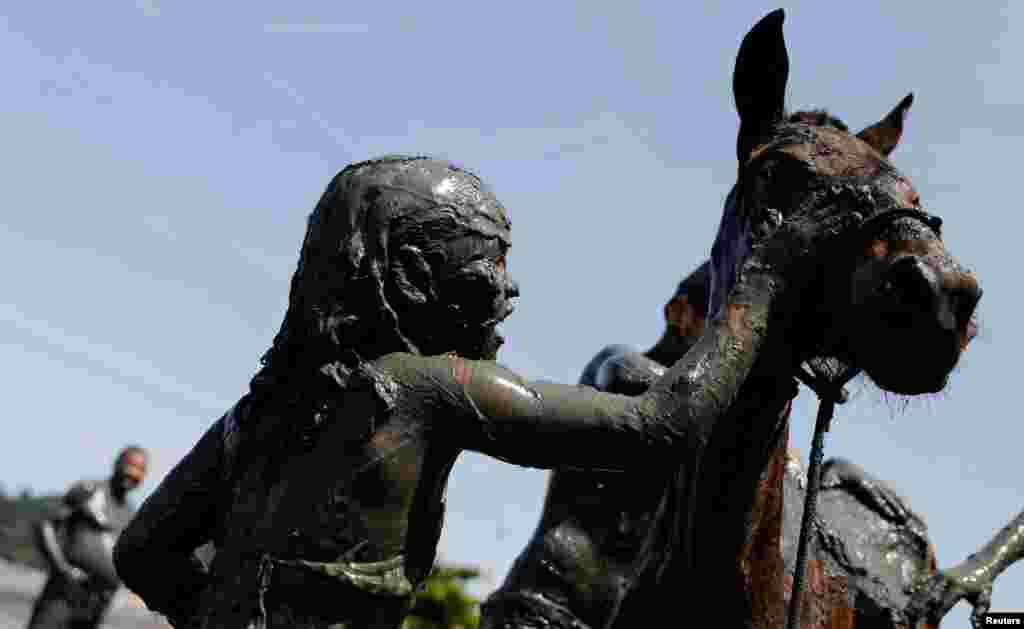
<point>322,489</point>
<point>77,542</point>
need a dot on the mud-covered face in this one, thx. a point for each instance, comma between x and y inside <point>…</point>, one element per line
<point>477,292</point>
<point>130,470</point>
<point>401,254</point>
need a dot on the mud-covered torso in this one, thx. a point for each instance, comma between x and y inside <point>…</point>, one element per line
<point>321,504</point>
<point>341,495</point>
<point>93,521</point>
<point>583,555</point>
<point>616,508</point>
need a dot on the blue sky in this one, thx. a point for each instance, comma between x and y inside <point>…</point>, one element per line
<point>161,160</point>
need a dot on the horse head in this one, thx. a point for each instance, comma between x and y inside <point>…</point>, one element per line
<point>884,293</point>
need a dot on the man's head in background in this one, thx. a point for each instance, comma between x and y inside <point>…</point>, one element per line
<point>129,468</point>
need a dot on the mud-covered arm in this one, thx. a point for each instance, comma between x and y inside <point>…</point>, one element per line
<point>155,554</point>
<point>489,409</point>
<point>48,544</point>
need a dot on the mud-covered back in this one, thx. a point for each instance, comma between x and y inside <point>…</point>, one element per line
<point>865,532</point>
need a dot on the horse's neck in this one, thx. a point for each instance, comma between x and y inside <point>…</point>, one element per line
<point>762,397</point>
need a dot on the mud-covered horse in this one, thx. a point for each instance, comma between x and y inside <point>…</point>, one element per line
<point>720,531</point>
<point>883,295</point>
<point>322,489</point>
<point>331,471</point>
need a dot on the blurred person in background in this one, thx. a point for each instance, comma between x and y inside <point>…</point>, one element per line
<point>77,542</point>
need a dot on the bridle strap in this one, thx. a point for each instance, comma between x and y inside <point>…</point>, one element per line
<point>831,392</point>
<point>873,224</point>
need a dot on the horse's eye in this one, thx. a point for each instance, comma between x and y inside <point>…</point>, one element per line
<point>779,181</point>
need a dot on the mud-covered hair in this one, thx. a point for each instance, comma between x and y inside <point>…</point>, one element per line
<point>337,308</point>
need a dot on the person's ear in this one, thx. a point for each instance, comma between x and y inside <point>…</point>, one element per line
<point>412,276</point>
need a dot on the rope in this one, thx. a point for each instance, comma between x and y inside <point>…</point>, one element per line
<point>830,392</point>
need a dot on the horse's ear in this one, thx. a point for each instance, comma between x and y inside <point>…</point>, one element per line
<point>759,81</point>
<point>885,134</point>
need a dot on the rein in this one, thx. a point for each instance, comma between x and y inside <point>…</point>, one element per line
<point>830,391</point>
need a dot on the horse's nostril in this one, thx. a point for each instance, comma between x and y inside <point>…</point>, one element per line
<point>965,300</point>
<point>908,280</point>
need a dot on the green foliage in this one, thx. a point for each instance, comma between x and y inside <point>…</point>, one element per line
<point>443,602</point>
<point>17,515</point>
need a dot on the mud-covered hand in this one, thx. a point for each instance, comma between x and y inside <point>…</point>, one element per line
<point>970,580</point>
<point>50,548</point>
<point>74,574</point>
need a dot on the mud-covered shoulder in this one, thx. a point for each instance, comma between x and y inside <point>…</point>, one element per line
<point>81,492</point>
<point>590,371</point>
<point>629,373</point>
